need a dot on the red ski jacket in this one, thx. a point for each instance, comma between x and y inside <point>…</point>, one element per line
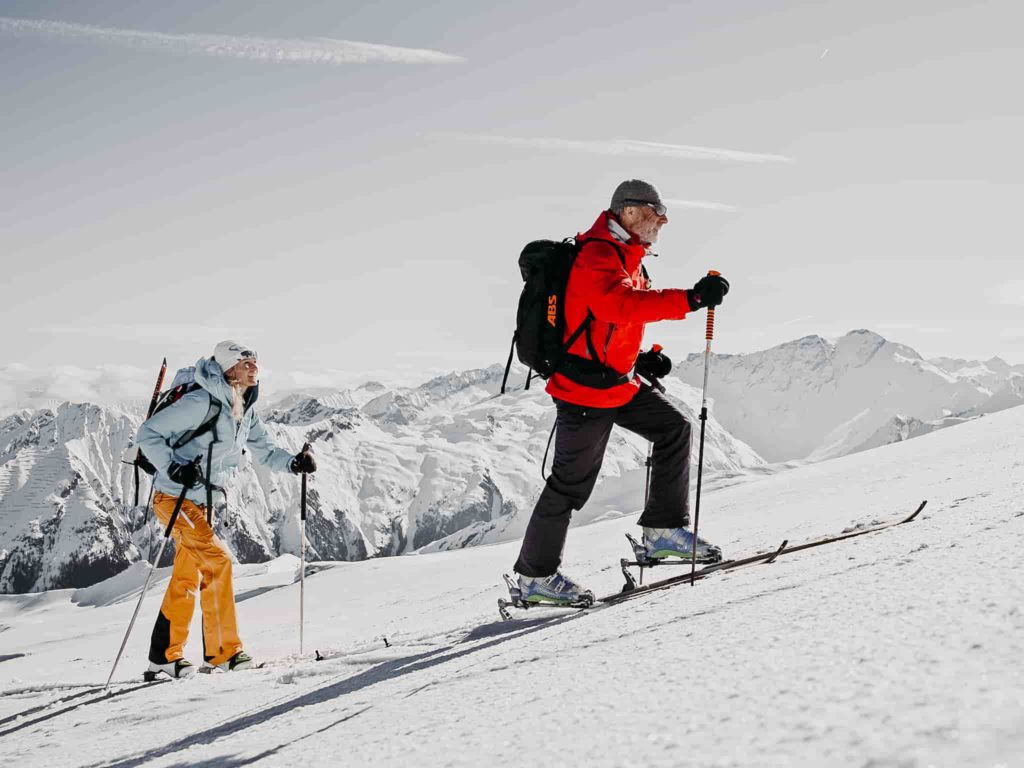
<point>622,302</point>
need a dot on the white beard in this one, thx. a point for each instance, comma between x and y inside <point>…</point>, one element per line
<point>647,231</point>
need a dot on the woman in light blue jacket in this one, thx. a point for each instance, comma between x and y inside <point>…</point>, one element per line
<point>213,422</point>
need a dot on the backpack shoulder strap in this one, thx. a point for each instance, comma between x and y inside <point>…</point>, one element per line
<point>208,423</point>
<point>584,327</point>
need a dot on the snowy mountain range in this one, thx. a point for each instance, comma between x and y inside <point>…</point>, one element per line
<point>447,464</point>
<point>817,399</point>
<point>451,463</point>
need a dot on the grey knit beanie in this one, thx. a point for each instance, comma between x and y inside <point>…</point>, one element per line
<point>636,191</point>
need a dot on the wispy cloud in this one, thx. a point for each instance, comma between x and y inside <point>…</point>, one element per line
<point>1009,292</point>
<point>626,147</point>
<point>703,205</point>
<point>317,50</point>
<point>23,386</point>
<point>137,332</point>
<point>885,328</point>
<point>797,320</point>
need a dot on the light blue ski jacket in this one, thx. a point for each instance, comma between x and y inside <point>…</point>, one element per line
<point>158,433</point>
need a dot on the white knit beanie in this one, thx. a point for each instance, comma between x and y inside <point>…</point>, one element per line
<point>227,353</point>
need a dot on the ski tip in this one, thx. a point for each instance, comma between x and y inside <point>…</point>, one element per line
<point>917,511</point>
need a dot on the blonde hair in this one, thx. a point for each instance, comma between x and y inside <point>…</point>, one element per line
<point>238,401</point>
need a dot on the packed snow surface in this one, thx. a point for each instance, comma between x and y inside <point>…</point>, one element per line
<point>898,648</point>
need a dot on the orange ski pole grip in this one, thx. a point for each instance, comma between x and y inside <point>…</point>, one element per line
<point>710,332</point>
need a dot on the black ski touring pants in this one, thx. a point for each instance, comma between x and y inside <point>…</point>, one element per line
<point>581,435</point>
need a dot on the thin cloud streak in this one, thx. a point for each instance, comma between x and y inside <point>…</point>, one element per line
<point>1010,293</point>
<point>130,386</point>
<point>317,50</point>
<point>702,205</point>
<point>132,332</point>
<point>626,147</point>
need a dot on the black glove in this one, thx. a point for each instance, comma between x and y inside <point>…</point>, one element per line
<point>189,475</point>
<point>653,364</point>
<point>708,292</point>
<point>303,463</point>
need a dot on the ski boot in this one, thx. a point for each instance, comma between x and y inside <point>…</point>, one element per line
<point>236,663</point>
<point>177,669</point>
<point>554,591</point>
<point>658,545</point>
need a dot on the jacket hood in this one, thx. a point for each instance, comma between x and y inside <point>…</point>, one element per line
<point>210,376</point>
<point>601,230</point>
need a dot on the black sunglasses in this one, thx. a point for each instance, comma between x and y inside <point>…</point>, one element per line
<point>658,208</point>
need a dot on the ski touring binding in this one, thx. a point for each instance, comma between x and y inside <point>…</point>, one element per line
<point>516,600</point>
<point>641,559</point>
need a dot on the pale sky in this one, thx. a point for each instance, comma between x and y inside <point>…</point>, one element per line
<point>347,186</point>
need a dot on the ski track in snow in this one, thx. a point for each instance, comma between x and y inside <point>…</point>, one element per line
<point>899,648</point>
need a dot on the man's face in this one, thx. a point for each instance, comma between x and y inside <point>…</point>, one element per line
<point>245,372</point>
<point>643,222</point>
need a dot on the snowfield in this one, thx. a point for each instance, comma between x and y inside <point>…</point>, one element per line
<point>900,648</point>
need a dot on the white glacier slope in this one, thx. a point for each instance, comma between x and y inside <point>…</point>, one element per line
<point>899,648</point>
<point>816,399</point>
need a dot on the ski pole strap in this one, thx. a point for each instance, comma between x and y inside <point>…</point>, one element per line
<point>209,485</point>
<point>508,365</point>
<point>177,509</point>
<point>544,461</point>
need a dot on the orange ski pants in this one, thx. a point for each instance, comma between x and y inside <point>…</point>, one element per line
<point>202,564</point>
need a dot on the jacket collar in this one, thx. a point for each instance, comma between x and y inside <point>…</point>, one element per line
<point>607,227</point>
<point>617,230</point>
<point>210,376</point>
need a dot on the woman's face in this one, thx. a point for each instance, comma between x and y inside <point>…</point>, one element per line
<point>246,372</point>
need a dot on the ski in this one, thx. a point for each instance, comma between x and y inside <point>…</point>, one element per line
<point>209,669</point>
<point>631,589</point>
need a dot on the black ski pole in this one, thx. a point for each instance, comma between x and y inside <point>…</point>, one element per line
<point>302,558</point>
<point>709,335</point>
<point>647,482</point>
<point>149,578</point>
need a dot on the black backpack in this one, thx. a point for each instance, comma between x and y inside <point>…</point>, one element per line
<point>540,318</point>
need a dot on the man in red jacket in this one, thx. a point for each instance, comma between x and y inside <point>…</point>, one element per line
<point>596,388</point>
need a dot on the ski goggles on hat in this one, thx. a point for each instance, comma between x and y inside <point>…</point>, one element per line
<point>658,208</point>
<point>247,354</point>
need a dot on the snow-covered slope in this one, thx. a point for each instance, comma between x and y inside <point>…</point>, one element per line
<point>63,520</point>
<point>900,648</point>
<point>447,464</point>
<point>814,398</point>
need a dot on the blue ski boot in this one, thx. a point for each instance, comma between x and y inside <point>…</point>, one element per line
<point>557,589</point>
<point>660,543</point>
